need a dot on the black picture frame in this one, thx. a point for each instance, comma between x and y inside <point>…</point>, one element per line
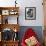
<point>30,13</point>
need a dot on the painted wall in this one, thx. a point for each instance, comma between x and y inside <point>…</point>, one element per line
<point>35,23</point>
<point>39,12</point>
<point>27,3</point>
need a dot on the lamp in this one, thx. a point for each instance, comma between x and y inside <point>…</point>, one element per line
<point>15,3</point>
<point>15,30</point>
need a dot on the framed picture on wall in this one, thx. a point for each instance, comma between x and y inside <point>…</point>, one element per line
<point>30,13</point>
<point>5,12</point>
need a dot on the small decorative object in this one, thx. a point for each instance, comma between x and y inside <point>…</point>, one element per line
<point>15,3</point>
<point>0,12</point>
<point>13,12</point>
<point>5,12</point>
<point>6,21</point>
<point>7,34</point>
<point>0,36</point>
<point>30,13</point>
<point>16,35</point>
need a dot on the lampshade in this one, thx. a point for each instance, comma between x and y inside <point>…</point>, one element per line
<point>15,30</point>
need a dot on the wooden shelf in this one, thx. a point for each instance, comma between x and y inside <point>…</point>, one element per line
<point>4,13</point>
<point>11,26</point>
<point>5,8</point>
<point>9,43</point>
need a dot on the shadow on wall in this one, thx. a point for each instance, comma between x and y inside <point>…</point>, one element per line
<point>37,29</point>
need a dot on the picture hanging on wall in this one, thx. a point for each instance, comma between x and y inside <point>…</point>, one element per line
<point>30,13</point>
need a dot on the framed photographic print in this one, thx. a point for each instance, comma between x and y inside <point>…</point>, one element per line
<point>30,13</point>
<point>5,12</point>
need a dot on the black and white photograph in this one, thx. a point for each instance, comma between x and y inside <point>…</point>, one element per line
<point>30,13</point>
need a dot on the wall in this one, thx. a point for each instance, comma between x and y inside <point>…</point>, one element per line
<point>39,14</point>
<point>27,3</point>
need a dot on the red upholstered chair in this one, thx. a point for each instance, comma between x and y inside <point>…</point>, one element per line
<point>29,33</point>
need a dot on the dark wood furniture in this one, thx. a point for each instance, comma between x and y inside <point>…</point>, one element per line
<point>4,13</point>
<point>10,43</point>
